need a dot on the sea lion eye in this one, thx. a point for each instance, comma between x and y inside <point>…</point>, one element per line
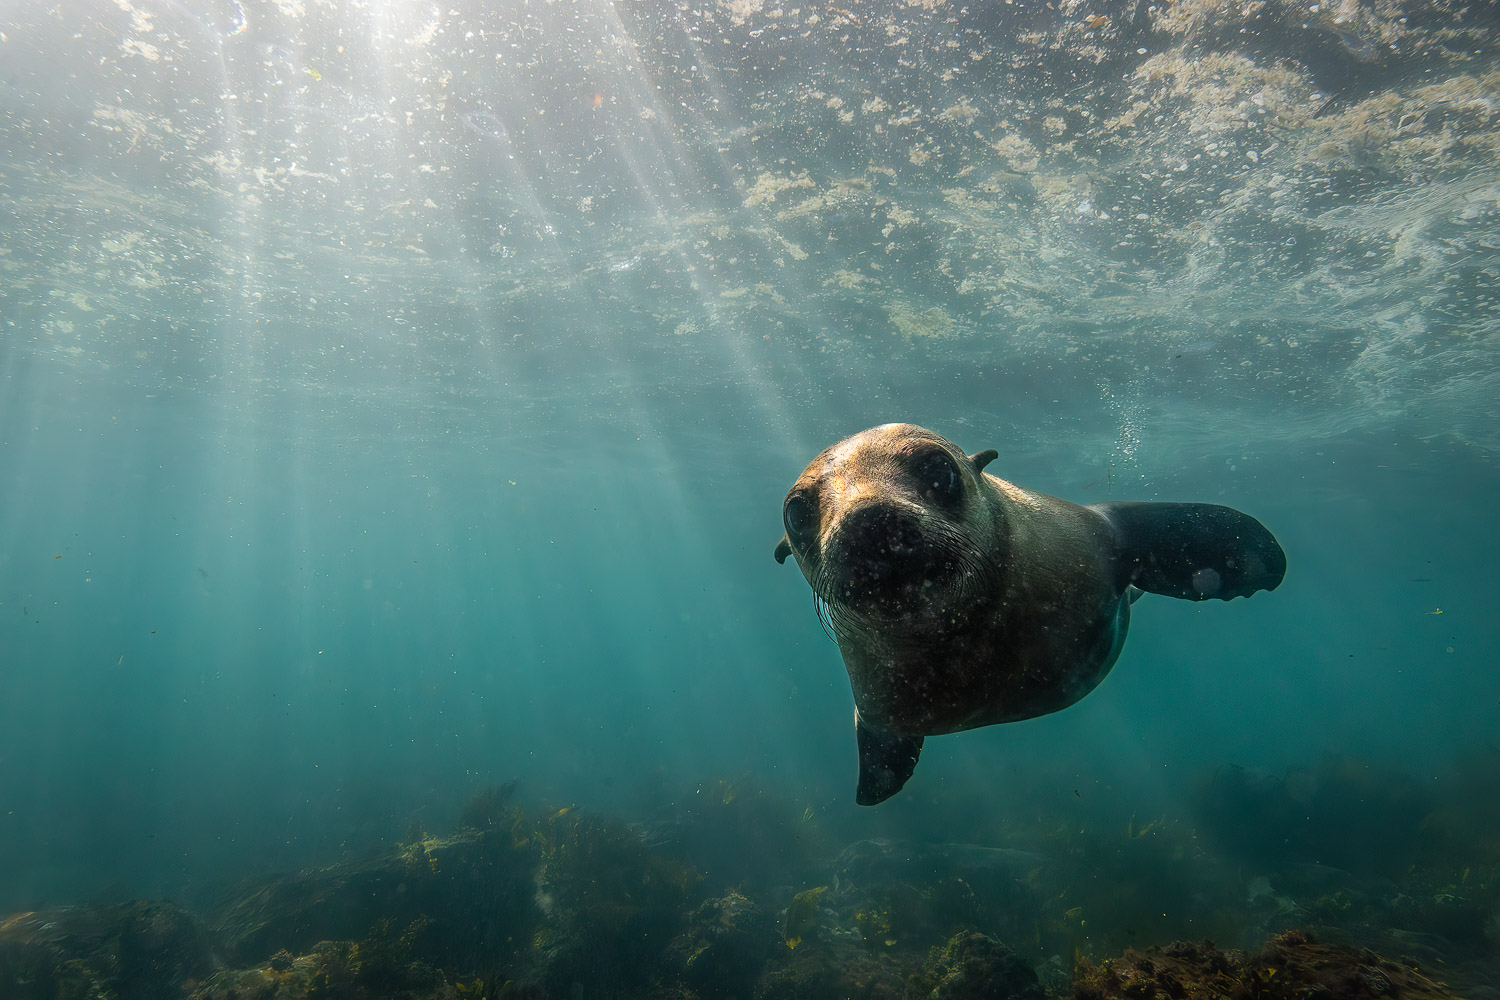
<point>800,515</point>
<point>938,476</point>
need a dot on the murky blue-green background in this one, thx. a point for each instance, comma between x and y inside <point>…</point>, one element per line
<point>396,399</point>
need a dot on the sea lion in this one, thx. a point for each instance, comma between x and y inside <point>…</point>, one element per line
<point>960,600</point>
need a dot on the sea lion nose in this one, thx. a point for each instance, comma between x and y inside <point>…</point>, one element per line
<point>880,532</point>
<point>875,547</point>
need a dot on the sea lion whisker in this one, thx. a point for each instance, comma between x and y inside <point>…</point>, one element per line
<point>832,613</point>
<point>824,619</point>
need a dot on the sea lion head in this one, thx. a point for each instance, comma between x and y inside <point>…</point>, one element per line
<point>892,528</point>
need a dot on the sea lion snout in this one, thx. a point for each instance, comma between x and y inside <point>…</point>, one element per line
<point>882,559</point>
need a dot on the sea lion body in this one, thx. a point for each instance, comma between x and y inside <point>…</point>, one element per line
<point>1040,637</point>
<point>961,600</point>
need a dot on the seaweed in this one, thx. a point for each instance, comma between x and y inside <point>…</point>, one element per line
<point>609,904</point>
<point>126,951</point>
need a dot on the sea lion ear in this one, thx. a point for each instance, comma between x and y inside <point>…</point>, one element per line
<point>983,458</point>
<point>783,549</point>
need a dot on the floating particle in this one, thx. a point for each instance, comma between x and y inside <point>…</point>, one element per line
<point>485,124</point>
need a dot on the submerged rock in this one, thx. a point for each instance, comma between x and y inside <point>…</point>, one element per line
<point>142,950</point>
<point>974,967</point>
<point>384,965</point>
<point>803,920</point>
<point>471,894</point>
<point>727,943</point>
<point>572,906</point>
<point>1291,966</point>
<point>838,969</point>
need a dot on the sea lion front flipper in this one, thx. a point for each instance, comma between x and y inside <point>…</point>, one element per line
<point>1194,551</point>
<point>886,760</point>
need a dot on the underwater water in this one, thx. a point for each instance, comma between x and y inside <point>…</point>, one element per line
<point>397,402</point>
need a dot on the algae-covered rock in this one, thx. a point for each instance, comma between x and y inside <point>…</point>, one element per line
<point>727,942</point>
<point>973,966</point>
<point>867,940</point>
<point>374,969</point>
<point>804,917</point>
<point>470,893</point>
<point>128,951</point>
<point>839,970</point>
<point>1292,966</point>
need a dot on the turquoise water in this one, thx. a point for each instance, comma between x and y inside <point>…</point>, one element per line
<point>397,400</point>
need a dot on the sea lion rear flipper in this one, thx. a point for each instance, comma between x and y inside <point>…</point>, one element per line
<point>886,760</point>
<point>1193,551</point>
